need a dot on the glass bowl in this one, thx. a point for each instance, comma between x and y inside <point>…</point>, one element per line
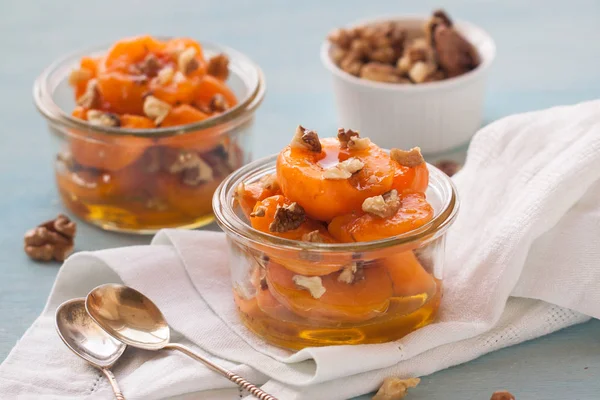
<point>133,185</point>
<point>396,286</point>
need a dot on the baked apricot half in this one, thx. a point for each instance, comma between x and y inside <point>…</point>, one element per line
<point>329,179</point>
<point>380,219</point>
<point>353,296</point>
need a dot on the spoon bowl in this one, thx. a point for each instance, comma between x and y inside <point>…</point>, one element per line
<point>128,316</point>
<point>134,319</point>
<point>88,340</point>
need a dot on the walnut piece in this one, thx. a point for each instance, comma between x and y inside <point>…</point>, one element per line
<point>382,206</point>
<point>269,182</point>
<point>91,97</point>
<point>313,284</point>
<point>344,136</point>
<point>448,167</point>
<point>314,237</point>
<point>51,240</point>
<point>149,66</point>
<point>306,139</point>
<point>156,109</point>
<point>502,395</point>
<point>395,388</point>
<point>287,218</point>
<point>378,72</point>
<point>259,212</point>
<point>344,169</point>
<point>165,75</point>
<point>186,61</point>
<point>101,118</point>
<point>218,104</point>
<point>357,143</point>
<point>421,71</point>
<point>194,170</point>
<point>347,274</point>
<point>410,158</point>
<point>218,66</point>
<point>80,75</point>
<point>454,53</point>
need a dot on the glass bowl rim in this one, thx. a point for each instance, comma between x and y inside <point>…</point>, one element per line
<point>230,222</point>
<point>44,101</point>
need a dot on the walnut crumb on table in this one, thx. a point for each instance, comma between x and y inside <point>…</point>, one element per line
<point>502,395</point>
<point>395,388</point>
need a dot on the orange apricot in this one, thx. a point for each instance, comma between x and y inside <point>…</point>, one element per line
<point>194,201</point>
<point>414,179</point>
<point>178,91</point>
<point>182,115</point>
<point>129,51</point>
<point>409,278</point>
<point>122,93</point>
<point>106,152</point>
<point>248,195</point>
<point>136,122</point>
<point>365,298</point>
<point>301,175</point>
<point>414,212</point>
<point>210,86</point>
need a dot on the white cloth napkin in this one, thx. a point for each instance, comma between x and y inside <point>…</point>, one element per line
<point>522,261</point>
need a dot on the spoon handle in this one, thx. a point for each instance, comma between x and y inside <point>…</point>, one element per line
<point>238,380</point>
<point>113,382</point>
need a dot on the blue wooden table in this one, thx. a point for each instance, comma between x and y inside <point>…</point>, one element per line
<point>548,54</point>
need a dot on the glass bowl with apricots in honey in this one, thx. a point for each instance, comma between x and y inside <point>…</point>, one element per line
<point>147,128</point>
<point>336,241</point>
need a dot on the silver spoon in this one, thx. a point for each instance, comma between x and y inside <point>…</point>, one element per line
<point>86,339</point>
<point>132,318</point>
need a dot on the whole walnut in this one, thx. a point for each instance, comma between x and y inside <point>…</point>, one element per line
<point>51,240</point>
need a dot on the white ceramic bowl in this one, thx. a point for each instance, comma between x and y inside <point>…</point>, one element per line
<point>436,116</point>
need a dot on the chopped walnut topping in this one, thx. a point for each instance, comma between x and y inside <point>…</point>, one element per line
<point>306,139</point>
<point>347,274</point>
<point>150,66</point>
<point>502,395</point>
<point>186,61</point>
<point>344,169</point>
<point>287,218</point>
<point>269,182</point>
<point>218,103</point>
<point>51,240</point>
<point>383,206</point>
<point>101,118</point>
<point>313,284</point>
<point>80,75</point>
<point>218,66</point>
<point>314,237</point>
<point>410,158</point>
<point>259,212</point>
<point>156,109</point>
<point>356,143</point>
<point>193,168</point>
<point>395,388</point>
<point>344,136</point>
<point>165,75</point>
<point>91,97</point>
